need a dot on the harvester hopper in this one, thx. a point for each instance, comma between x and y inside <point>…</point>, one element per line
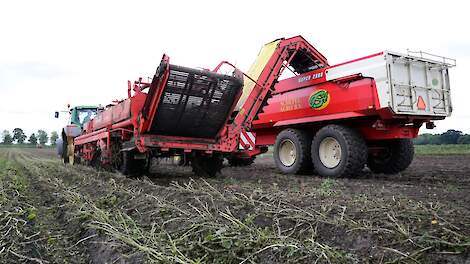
<point>192,103</point>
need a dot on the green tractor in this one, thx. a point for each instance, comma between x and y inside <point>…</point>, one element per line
<point>79,116</point>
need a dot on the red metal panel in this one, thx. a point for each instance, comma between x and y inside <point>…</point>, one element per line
<point>311,119</point>
<point>391,132</point>
<point>353,99</point>
<point>266,136</point>
<point>301,81</point>
<point>112,115</point>
<point>155,92</point>
<point>146,140</point>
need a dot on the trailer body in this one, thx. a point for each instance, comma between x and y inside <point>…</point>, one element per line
<point>386,95</point>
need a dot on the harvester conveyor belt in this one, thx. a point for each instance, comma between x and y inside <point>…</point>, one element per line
<point>195,103</point>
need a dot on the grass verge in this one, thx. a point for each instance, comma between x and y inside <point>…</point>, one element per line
<point>457,149</point>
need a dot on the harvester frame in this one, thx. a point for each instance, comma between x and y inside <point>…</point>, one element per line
<point>129,137</point>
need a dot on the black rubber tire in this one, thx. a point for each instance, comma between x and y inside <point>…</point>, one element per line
<point>183,161</point>
<point>353,151</point>
<point>302,141</point>
<point>207,166</point>
<point>125,167</point>
<point>130,166</point>
<point>59,147</point>
<point>96,160</point>
<point>65,157</point>
<point>240,162</point>
<point>398,155</point>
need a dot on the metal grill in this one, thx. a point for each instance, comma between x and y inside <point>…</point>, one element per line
<point>195,103</point>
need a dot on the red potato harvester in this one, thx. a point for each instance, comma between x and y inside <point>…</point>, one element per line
<point>330,119</point>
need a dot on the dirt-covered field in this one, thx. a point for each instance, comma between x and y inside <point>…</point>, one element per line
<point>51,213</point>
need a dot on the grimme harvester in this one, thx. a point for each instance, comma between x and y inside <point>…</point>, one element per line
<point>330,119</point>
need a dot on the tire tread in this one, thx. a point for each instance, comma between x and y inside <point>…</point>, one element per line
<point>356,150</point>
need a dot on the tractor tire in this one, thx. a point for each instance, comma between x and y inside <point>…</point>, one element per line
<point>59,147</point>
<point>65,157</point>
<point>240,162</point>
<point>207,166</point>
<point>292,152</point>
<point>338,151</point>
<point>397,156</point>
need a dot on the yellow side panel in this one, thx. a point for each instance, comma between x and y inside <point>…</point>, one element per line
<point>255,70</point>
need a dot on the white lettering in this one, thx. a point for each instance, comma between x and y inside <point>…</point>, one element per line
<point>314,76</point>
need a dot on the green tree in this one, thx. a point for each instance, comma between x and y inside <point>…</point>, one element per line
<point>42,137</point>
<point>423,139</point>
<point>464,139</point>
<point>54,137</point>
<point>6,137</point>
<point>18,135</point>
<point>451,136</point>
<point>435,139</point>
<point>33,140</point>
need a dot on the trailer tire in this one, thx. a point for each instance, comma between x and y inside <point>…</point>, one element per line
<point>338,151</point>
<point>207,166</point>
<point>240,162</point>
<point>292,151</point>
<point>398,156</point>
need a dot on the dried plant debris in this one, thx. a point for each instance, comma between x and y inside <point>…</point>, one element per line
<point>52,213</point>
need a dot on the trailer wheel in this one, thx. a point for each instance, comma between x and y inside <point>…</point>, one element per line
<point>292,151</point>
<point>338,151</point>
<point>396,157</point>
<point>207,166</point>
<point>240,162</point>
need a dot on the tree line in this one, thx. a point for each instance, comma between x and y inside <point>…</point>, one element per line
<point>41,137</point>
<point>17,136</point>
<point>451,136</point>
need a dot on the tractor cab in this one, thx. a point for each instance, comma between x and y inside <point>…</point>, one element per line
<point>82,114</point>
<point>78,117</point>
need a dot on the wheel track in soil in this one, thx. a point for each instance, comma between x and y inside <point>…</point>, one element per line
<point>49,180</point>
<point>45,174</point>
<point>54,234</point>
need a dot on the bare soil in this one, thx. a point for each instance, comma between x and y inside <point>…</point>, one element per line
<point>52,213</point>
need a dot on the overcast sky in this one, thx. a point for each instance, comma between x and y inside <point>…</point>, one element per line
<point>83,52</point>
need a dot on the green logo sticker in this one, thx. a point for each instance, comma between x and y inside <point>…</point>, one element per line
<point>435,82</point>
<point>319,99</point>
